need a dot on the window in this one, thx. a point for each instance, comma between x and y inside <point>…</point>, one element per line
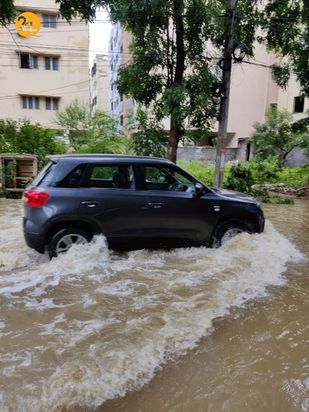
<point>30,102</point>
<point>28,61</point>
<point>52,63</point>
<point>112,106</point>
<point>49,21</point>
<point>74,178</point>
<point>299,102</point>
<point>94,101</point>
<point>121,97</point>
<point>111,177</point>
<point>52,103</point>
<point>164,178</point>
<point>121,120</point>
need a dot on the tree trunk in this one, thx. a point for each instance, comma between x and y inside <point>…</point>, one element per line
<point>175,126</point>
<point>174,137</point>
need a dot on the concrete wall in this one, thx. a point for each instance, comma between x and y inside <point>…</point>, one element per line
<point>297,157</point>
<point>204,154</point>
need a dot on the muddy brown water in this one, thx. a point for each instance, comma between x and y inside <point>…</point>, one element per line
<point>187,330</point>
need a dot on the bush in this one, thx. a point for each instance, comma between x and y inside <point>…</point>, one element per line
<point>23,137</point>
<point>200,170</point>
<point>240,178</point>
<point>295,177</point>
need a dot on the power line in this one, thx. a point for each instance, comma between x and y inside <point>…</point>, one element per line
<point>49,90</point>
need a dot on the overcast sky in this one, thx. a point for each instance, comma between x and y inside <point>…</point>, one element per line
<point>99,34</point>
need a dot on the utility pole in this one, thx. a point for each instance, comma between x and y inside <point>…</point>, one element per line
<point>225,89</point>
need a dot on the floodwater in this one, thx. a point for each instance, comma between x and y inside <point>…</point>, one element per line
<point>187,330</point>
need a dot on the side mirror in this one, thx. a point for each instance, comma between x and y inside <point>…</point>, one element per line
<point>199,189</point>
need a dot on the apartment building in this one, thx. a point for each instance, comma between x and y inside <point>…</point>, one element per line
<point>293,101</point>
<point>252,92</point>
<point>120,107</point>
<point>43,73</point>
<point>99,83</point>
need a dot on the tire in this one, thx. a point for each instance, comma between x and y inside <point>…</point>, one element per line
<point>63,239</point>
<point>229,230</point>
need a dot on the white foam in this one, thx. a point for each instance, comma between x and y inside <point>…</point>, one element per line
<point>137,310</point>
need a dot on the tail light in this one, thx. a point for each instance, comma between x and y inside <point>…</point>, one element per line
<point>35,199</point>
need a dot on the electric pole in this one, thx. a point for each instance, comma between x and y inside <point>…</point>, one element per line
<point>225,89</point>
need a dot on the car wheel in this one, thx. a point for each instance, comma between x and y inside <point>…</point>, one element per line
<point>229,230</point>
<point>63,239</point>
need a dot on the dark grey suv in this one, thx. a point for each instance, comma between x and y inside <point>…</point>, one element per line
<point>136,202</point>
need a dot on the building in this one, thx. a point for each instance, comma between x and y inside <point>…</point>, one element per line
<point>99,83</point>
<point>252,92</point>
<point>294,102</point>
<point>120,107</point>
<point>43,73</point>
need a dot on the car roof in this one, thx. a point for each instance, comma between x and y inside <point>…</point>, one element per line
<point>94,157</point>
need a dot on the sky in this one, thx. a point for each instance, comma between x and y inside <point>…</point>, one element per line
<point>99,34</point>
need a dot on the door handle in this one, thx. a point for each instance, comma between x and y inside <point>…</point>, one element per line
<point>89,203</point>
<point>155,205</point>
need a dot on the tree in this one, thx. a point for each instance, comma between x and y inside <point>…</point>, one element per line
<point>286,24</point>
<point>276,137</point>
<point>148,137</point>
<point>7,11</point>
<point>75,119</point>
<point>171,70</point>
<point>23,137</point>
<point>91,132</point>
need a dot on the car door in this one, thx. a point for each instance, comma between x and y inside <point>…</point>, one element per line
<point>109,199</point>
<point>172,211</point>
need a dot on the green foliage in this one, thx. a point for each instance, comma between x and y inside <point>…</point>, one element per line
<point>202,171</point>
<point>148,137</point>
<point>91,132</point>
<point>281,74</point>
<point>296,177</point>
<point>264,171</point>
<point>260,192</point>
<point>240,178</point>
<point>169,37</point>
<point>23,137</point>
<point>283,201</point>
<point>286,25</point>
<point>75,118</point>
<point>276,136</point>
<point>7,11</point>
<point>251,177</point>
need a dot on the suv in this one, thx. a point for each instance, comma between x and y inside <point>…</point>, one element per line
<point>136,202</point>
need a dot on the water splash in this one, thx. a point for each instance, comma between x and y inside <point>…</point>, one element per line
<point>94,324</point>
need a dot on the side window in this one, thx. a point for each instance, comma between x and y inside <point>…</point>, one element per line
<point>111,177</point>
<point>74,178</point>
<point>165,178</point>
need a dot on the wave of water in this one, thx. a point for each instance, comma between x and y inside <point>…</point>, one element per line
<point>92,324</point>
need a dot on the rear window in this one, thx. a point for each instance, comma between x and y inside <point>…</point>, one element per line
<point>43,173</point>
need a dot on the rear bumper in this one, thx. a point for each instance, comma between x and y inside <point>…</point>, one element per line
<point>33,240</point>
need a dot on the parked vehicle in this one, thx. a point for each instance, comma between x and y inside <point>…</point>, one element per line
<point>136,202</point>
